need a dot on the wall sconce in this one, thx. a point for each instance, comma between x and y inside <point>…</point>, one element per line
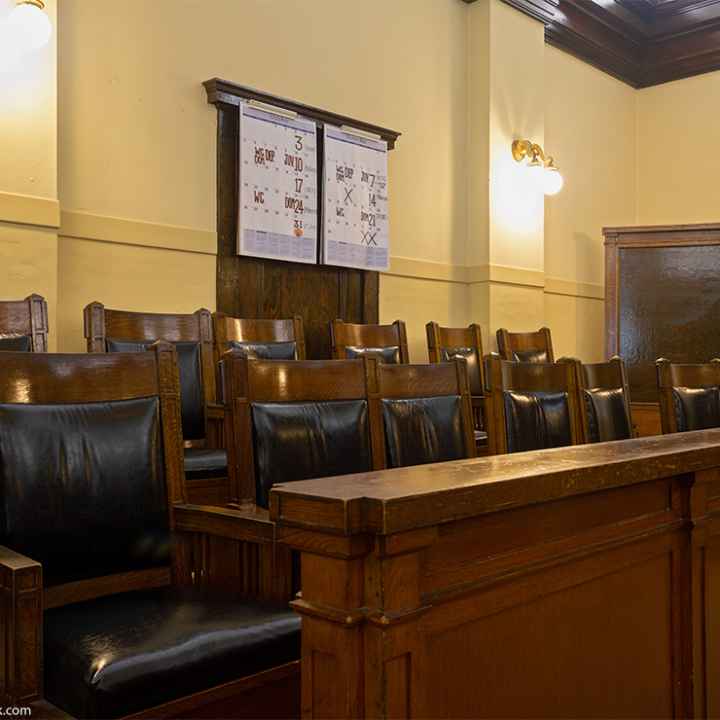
<point>30,24</point>
<point>545,174</point>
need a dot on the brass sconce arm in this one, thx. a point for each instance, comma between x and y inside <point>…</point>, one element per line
<point>522,149</point>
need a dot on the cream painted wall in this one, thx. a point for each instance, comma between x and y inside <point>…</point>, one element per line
<point>677,131</point>
<point>126,277</point>
<point>28,119</point>
<point>517,86</point>
<point>28,264</point>
<point>505,213</point>
<point>28,174</point>
<point>417,301</point>
<point>590,129</point>
<point>137,137</point>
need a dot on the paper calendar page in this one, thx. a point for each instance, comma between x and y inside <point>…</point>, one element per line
<point>355,227</point>
<point>278,186</point>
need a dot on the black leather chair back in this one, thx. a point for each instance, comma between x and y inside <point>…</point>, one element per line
<point>536,420</point>
<point>191,382</point>
<point>304,440</point>
<point>16,343</point>
<point>266,350</point>
<point>470,355</point>
<point>83,487</point>
<point>423,430</point>
<point>532,356</point>
<point>696,408</point>
<point>606,413</point>
<point>389,355</point>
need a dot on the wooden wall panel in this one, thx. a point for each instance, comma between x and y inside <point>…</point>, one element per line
<point>662,298</point>
<point>257,288</point>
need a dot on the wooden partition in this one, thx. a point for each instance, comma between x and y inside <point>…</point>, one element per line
<point>575,582</point>
<point>662,297</point>
<point>249,287</point>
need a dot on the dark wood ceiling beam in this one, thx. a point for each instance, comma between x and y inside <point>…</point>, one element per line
<point>641,42</point>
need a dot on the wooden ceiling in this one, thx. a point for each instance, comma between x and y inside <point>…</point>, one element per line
<point>642,42</point>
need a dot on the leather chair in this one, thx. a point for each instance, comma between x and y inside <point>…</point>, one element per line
<point>117,596</point>
<point>426,412</point>
<point>526,347</point>
<point>202,417</point>
<point>24,325</point>
<point>533,405</point>
<point>604,400</point>
<point>295,420</point>
<point>445,344</point>
<point>689,395</point>
<point>260,338</point>
<point>385,343</point>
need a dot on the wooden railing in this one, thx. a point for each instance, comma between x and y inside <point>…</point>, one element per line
<point>573,582</point>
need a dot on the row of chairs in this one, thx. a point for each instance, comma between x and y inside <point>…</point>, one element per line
<point>111,574</point>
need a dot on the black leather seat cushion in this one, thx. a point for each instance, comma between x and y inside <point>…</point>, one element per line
<point>15,343</point>
<point>389,355</point>
<point>536,420</point>
<point>531,356</point>
<point>696,408</point>
<point>469,354</point>
<point>266,350</point>
<point>120,654</point>
<point>83,487</point>
<point>201,463</point>
<point>191,382</point>
<point>607,415</point>
<point>423,430</point>
<point>299,441</point>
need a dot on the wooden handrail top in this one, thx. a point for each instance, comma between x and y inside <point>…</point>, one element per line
<point>391,501</point>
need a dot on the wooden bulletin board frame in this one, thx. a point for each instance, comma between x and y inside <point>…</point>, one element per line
<point>250,287</point>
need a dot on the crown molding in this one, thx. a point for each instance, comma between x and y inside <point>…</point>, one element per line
<point>641,42</point>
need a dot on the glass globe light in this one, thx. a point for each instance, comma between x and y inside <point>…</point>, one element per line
<point>536,172</point>
<point>552,180</point>
<point>30,24</point>
<point>10,49</point>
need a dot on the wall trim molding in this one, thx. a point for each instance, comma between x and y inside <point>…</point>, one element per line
<point>558,286</point>
<point>29,210</point>
<point>414,268</point>
<point>427,270</point>
<point>87,226</point>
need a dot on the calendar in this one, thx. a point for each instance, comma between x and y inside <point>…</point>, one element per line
<point>355,227</point>
<point>278,214</point>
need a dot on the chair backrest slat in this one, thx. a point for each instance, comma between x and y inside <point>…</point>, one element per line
<point>91,466</point>
<point>109,330</point>
<point>605,411</point>
<point>533,405</point>
<point>292,420</point>
<point>24,320</point>
<point>445,343</point>
<point>254,333</point>
<point>387,343</point>
<point>689,395</point>
<point>526,347</point>
<point>425,412</point>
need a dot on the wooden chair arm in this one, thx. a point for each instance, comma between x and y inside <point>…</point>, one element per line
<point>21,618</point>
<point>232,548</point>
<point>248,523</point>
